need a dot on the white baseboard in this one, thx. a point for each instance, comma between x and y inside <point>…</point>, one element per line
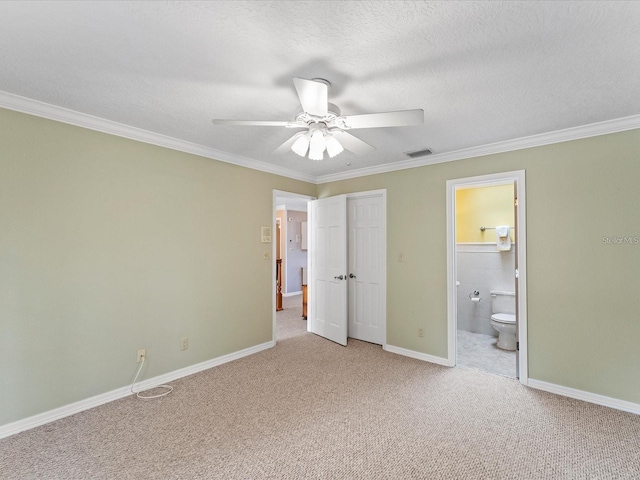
<point>88,403</point>
<point>585,396</point>
<point>537,384</point>
<point>292,294</point>
<point>417,355</point>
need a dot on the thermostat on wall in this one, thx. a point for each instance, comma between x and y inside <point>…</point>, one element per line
<point>265,233</point>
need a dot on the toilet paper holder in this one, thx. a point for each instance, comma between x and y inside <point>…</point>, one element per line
<point>475,296</point>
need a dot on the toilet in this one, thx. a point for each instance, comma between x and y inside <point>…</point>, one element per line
<point>503,318</point>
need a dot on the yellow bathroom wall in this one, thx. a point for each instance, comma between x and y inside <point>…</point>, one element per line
<point>483,206</point>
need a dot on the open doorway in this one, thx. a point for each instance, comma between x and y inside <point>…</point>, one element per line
<point>290,256</point>
<point>486,256</point>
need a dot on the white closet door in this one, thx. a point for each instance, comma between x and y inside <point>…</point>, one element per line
<point>328,268</point>
<point>366,226</point>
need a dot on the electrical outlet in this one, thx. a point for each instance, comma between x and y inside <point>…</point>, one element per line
<point>421,332</point>
<point>184,344</point>
<point>141,353</point>
<point>401,257</point>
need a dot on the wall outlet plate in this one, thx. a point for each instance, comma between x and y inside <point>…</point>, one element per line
<point>184,343</point>
<point>141,353</point>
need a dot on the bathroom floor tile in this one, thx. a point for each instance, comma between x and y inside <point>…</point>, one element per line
<point>505,365</point>
<point>477,350</point>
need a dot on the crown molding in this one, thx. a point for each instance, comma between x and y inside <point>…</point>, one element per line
<point>72,117</point>
<point>558,136</point>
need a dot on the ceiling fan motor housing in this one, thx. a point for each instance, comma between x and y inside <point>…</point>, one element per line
<point>333,112</point>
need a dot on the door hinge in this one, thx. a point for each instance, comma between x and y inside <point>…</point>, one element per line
<point>518,346</point>
<point>515,202</point>
<point>517,273</point>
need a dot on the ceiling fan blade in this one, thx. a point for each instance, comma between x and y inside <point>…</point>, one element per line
<point>314,96</point>
<point>401,118</point>
<point>286,146</point>
<point>353,144</point>
<point>262,123</point>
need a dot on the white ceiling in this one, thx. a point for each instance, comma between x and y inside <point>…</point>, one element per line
<point>483,72</point>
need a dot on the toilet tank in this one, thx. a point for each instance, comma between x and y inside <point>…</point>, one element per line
<point>503,302</point>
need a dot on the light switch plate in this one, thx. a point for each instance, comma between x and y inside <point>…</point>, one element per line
<point>265,234</point>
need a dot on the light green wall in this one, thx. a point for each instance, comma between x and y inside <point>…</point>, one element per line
<point>108,245</point>
<point>583,304</point>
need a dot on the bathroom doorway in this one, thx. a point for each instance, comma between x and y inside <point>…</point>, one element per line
<point>487,274</point>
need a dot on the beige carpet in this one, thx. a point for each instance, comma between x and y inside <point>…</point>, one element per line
<point>312,409</point>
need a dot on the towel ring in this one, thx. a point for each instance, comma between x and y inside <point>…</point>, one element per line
<point>482,229</point>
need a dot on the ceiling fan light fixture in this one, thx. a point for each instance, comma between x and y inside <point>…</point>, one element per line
<point>334,147</point>
<point>300,146</point>
<point>317,145</point>
<point>325,128</point>
<point>316,155</point>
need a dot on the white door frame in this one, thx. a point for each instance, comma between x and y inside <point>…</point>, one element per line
<point>502,178</point>
<point>276,194</point>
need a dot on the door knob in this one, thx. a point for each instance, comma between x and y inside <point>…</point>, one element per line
<point>341,277</point>
<point>351,275</point>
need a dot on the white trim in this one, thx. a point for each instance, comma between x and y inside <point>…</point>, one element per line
<point>502,178</point>
<point>419,356</point>
<point>574,133</point>
<point>97,400</point>
<point>586,396</point>
<point>71,117</point>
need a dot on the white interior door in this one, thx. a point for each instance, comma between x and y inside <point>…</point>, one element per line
<point>327,273</point>
<point>366,268</point>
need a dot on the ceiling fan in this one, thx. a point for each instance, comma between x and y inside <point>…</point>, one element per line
<point>323,128</point>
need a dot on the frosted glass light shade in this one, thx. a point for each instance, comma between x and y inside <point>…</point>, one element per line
<point>317,146</point>
<point>315,155</point>
<point>333,146</point>
<point>301,145</point>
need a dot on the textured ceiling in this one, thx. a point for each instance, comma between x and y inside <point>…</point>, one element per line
<point>483,72</point>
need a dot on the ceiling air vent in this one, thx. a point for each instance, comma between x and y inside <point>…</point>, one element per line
<point>419,153</point>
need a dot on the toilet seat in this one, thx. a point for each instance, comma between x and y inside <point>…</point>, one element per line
<point>507,318</point>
